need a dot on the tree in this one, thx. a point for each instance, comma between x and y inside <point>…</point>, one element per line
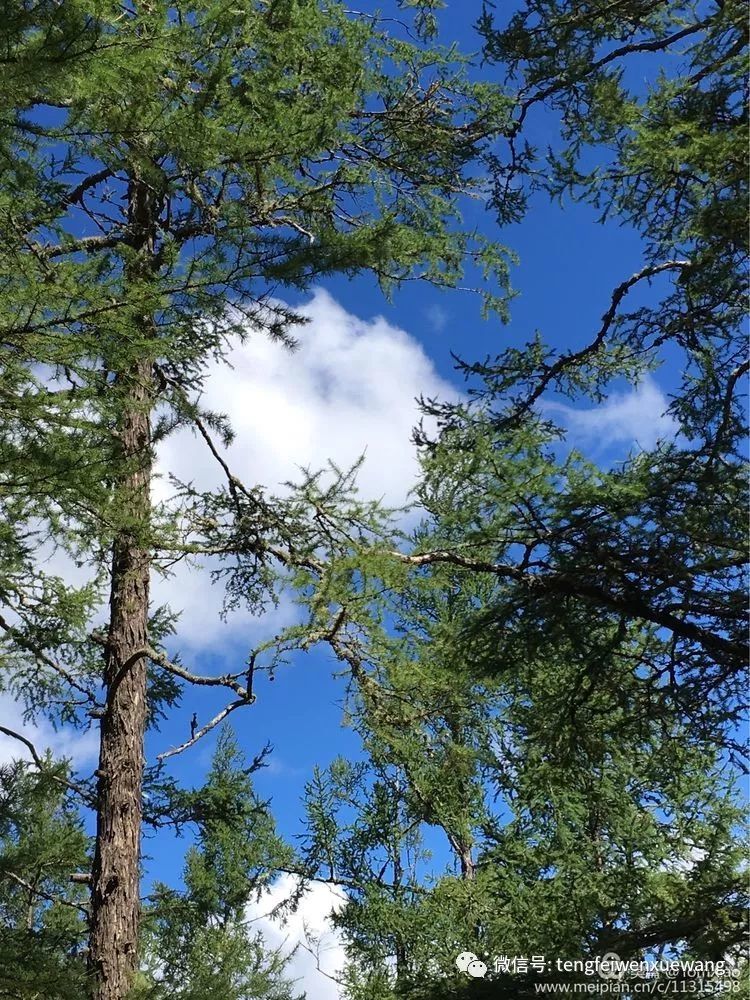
<point>167,169</point>
<point>654,541</point>
<point>657,539</point>
<point>199,944</point>
<point>574,823</point>
<point>361,836</point>
<point>44,915</point>
<point>610,621</point>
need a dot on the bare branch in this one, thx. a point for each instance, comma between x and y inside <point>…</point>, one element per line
<point>200,733</point>
<point>76,193</point>
<point>162,660</point>
<point>86,244</point>
<point>81,907</point>
<point>224,680</point>
<point>574,358</point>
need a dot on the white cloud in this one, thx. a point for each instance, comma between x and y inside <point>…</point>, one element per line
<point>308,929</point>
<point>637,417</point>
<point>80,746</point>
<point>437,317</point>
<point>349,388</point>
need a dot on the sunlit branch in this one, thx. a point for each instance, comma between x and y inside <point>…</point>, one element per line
<point>200,733</point>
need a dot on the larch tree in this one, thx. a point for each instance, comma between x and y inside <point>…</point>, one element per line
<point>657,539</point>
<point>518,799</point>
<point>43,915</point>
<point>612,623</point>
<point>199,942</point>
<point>168,171</point>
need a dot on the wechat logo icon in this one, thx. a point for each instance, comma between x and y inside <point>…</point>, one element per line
<point>468,963</point>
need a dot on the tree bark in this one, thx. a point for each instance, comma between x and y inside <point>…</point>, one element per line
<point>115,909</point>
<point>466,860</point>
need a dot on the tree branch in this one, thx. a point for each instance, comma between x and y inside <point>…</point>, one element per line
<point>163,661</point>
<point>46,895</point>
<point>76,193</point>
<point>654,45</point>
<point>574,358</point>
<point>200,733</point>
<point>224,680</point>
<point>43,767</point>
<point>40,655</point>
<point>558,583</point>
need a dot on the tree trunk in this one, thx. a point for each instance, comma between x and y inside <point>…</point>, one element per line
<point>115,911</point>
<point>466,860</point>
<point>116,874</point>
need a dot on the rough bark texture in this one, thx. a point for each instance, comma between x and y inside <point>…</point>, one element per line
<point>115,911</point>
<point>466,861</point>
<point>116,875</point>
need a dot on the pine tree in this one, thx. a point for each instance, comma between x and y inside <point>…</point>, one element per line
<point>603,607</point>
<point>168,170</point>
<point>44,915</point>
<point>199,944</point>
<point>575,822</point>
